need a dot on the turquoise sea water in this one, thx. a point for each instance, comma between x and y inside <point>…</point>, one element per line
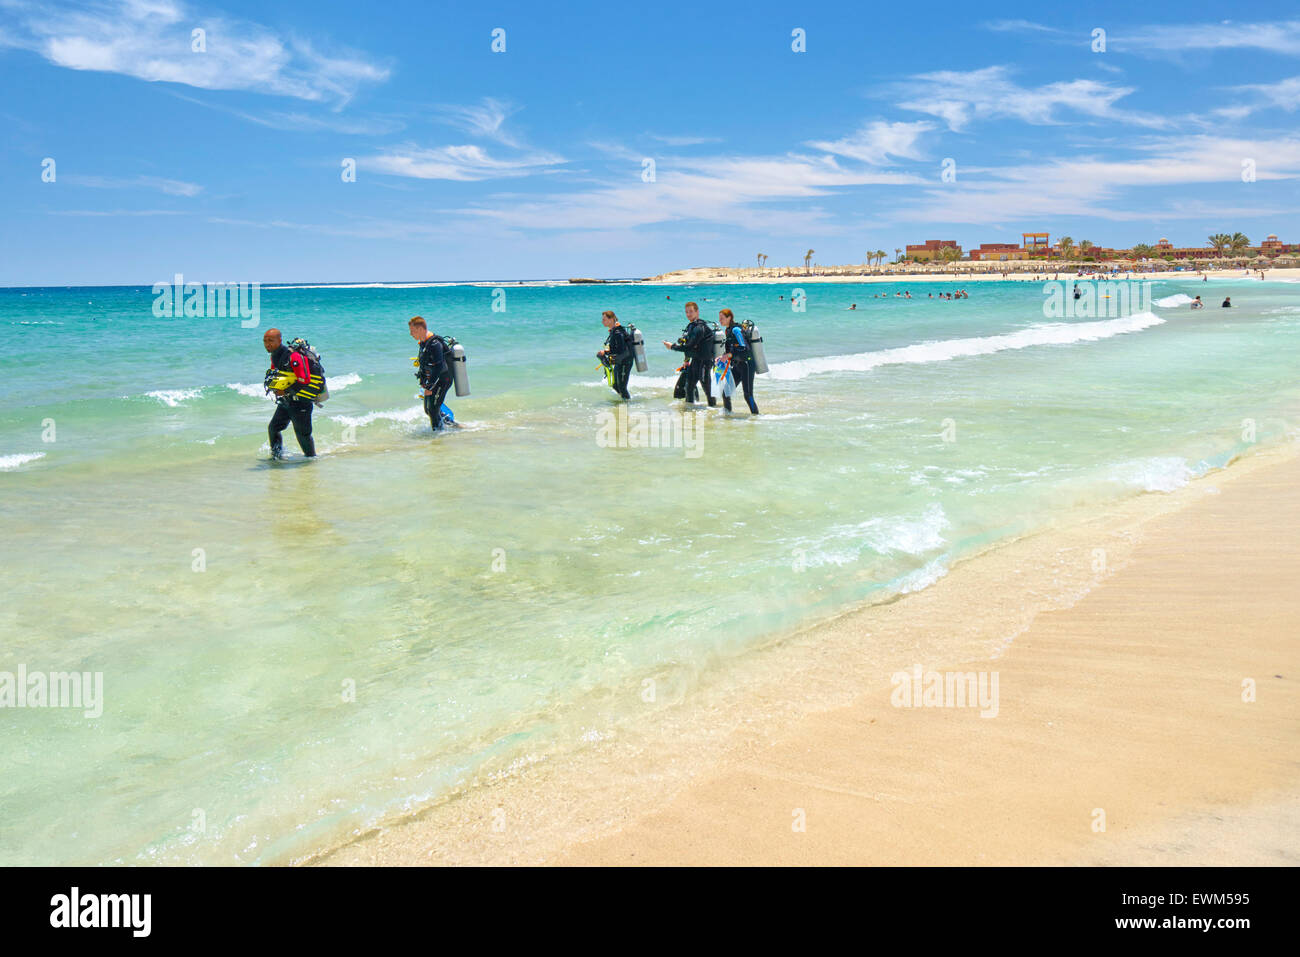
<point>406,614</point>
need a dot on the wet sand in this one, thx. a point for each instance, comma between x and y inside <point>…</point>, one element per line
<point>1121,642</point>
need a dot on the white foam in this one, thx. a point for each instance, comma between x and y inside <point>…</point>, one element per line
<point>254,389</point>
<point>10,462</point>
<point>412,414</point>
<point>1159,474</point>
<point>341,382</point>
<point>1177,299</point>
<point>1044,334</point>
<point>889,535</point>
<point>174,397</point>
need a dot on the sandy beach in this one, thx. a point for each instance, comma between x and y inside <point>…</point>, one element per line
<point>1121,643</point>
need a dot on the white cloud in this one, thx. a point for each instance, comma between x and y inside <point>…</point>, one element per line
<point>736,191</point>
<point>172,187</point>
<point>466,163</point>
<point>876,142</point>
<point>152,41</point>
<point>1281,37</point>
<point>684,140</point>
<point>485,120</point>
<point>1284,94</point>
<point>959,98</point>
<point>1114,189</point>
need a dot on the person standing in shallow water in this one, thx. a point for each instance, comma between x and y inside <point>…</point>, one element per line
<point>742,364</point>
<point>697,343</point>
<point>432,369</point>
<point>292,404</point>
<point>617,351</point>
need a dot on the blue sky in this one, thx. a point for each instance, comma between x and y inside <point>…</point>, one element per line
<point>225,164</point>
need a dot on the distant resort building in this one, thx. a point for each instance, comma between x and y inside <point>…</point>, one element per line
<point>930,249</point>
<point>1036,244</point>
<point>998,252</point>
<point>1039,246</point>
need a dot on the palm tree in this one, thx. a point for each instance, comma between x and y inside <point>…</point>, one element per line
<point>898,254</point>
<point>1066,247</point>
<point>1085,246</point>
<point>1219,242</point>
<point>880,256</point>
<point>1238,242</point>
<point>807,260</point>
<point>1143,251</point>
<point>950,254</point>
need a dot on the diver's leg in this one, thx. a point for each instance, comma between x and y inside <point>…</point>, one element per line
<point>302,428</point>
<point>749,387</point>
<point>622,373</point>
<point>706,380</point>
<point>279,419</point>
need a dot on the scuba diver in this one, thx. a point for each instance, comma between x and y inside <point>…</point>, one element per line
<point>739,355</point>
<point>697,343</point>
<point>433,371</point>
<point>618,354</point>
<point>298,381</point>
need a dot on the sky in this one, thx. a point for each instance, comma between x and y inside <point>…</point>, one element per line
<point>133,148</point>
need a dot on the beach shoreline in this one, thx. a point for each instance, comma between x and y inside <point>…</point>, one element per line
<point>713,276</point>
<point>1121,701</point>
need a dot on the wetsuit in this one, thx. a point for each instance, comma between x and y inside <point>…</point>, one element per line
<point>294,406</point>
<point>697,343</point>
<point>435,375</point>
<point>742,366</point>
<point>618,350</point>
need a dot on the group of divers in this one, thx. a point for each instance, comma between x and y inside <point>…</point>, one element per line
<point>717,359</point>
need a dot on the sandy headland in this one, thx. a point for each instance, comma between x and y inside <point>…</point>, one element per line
<point>1147,710</point>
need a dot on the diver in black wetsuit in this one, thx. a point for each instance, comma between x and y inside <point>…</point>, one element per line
<point>293,404</point>
<point>618,351</point>
<point>742,366</point>
<point>434,369</point>
<point>697,343</point>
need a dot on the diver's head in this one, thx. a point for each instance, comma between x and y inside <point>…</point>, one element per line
<point>271,339</point>
<point>692,311</point>
<point>419,328</point>
<point>726,317</point>
<point>608,319</point>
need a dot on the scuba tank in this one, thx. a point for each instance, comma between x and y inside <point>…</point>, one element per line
<point>638,348</point>
<point>755,340</point>
<point>458,362</point>
<point>719,342</point>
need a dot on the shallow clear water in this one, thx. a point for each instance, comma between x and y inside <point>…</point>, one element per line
<point>501,592</point>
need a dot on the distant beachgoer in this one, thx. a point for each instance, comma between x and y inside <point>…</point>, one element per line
<point>852,307</point>
<point>1227,302</point>
<point>1197,304</point>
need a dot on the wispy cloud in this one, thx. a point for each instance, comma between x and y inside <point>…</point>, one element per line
<point>876,143</point>
<point>466,163</point>
<point>485,119</point>
<point>1115,189</point>
<point>1023,26</point>
<point>960,98</point>
<point>172,187</point>
<point>742,192</point>
<point>152,40</point>
<point>1284,94</point>
<point>1280,37</point>
<point>683,140</point>
<point>114,213</point>
<point>330,122</point>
